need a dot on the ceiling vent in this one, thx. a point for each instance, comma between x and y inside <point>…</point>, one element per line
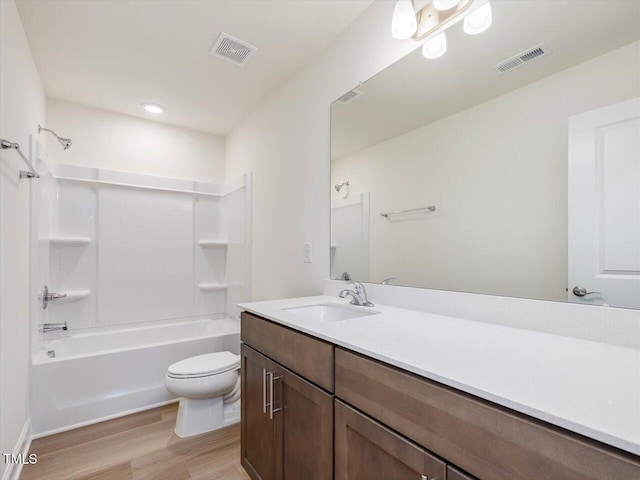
<point>523,58</point>
<point>350,95</point>
<point>232,50</point>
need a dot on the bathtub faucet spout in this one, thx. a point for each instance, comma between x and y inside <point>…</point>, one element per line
<point>52,327</point>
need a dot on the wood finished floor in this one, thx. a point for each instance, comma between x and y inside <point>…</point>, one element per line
<point>141,446</point>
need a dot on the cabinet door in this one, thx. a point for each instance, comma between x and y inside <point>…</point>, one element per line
<point>366,450</point>
<point>306,414</point>
<point>261,444</point>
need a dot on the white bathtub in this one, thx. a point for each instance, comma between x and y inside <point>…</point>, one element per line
<point>97,376</point>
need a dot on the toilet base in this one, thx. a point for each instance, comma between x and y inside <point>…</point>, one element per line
<point>196,416</point>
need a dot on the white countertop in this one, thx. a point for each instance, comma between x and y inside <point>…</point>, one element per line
<point>584,386</point>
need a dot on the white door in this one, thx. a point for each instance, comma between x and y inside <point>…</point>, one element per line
<point>604,206</point>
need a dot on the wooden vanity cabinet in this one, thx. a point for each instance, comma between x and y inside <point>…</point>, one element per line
<point>485,439</point>
<point>287,422</point>
<point>309,357</point>
<point>365,450</point>
<point>261,440</point>
<point>454,474</point>
<point>389,423</point>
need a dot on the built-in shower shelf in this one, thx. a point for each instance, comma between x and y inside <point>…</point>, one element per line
<point>70,241</point>
<point>333,246</point>
<point>73,296</point>
<point>212,287</point>
<point>213,243</point>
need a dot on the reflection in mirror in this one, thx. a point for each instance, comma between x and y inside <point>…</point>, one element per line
<point>466,174</point>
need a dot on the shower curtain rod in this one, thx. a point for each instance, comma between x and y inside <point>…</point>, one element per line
<point>6,144</point>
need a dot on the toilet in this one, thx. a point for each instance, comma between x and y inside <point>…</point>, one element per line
<point>209,390</point>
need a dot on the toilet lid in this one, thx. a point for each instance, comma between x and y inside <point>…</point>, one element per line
<point>208,364</point>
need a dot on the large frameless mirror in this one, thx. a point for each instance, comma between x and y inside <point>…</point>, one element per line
<point>510,165</point>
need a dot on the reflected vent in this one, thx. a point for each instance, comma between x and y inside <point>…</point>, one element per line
<point>350,95</point>
<point>523,58</point>
<point>232,50</point>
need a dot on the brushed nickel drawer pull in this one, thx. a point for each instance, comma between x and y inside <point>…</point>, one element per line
<point>264,390</point>
<point>272,381</point>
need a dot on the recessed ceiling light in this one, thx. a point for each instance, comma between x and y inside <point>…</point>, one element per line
<point>153,108</point>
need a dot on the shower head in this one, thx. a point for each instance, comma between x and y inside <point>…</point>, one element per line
<point>339,187</point>
<point>65,142</point>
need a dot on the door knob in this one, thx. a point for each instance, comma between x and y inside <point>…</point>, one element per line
<point>579,291</point>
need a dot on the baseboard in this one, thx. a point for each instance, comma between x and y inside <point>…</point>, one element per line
<point>101,419</point>
<point>22,447</point>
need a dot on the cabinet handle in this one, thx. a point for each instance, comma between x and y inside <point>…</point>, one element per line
<point>264,390</point>
<point>272,381</point>
<point>424,477</point>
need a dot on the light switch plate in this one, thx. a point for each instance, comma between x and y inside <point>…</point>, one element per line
<point>308,258</point>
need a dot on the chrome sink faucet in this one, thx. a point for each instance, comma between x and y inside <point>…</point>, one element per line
<point>358,294</point>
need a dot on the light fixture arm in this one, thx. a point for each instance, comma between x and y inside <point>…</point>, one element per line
<point>431,21</point>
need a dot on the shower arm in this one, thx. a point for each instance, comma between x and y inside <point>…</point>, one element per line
<point>6,144</point>
<point>40,129</point>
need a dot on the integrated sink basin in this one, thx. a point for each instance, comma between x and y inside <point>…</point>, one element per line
<point>329,312</point>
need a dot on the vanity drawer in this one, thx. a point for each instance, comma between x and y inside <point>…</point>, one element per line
<point>307,356</point>
<point>488,441</point>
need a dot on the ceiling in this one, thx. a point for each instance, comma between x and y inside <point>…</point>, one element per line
<point>415,91</point>
<point>116,55</point>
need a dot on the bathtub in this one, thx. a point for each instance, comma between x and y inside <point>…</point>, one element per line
<point>114,372</point>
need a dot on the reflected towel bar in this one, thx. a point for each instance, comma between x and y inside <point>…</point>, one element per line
<point>430,208</point>
<point>6,144</point>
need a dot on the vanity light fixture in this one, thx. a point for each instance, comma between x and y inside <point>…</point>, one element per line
<point>153,108</point>
<point>427,20</point>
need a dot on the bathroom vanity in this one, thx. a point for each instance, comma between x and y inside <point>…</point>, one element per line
<point>317,404</point>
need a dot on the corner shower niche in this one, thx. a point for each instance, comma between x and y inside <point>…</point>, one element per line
<point>127,248</point>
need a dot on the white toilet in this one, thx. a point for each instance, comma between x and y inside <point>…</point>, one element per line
<point>209,387</point>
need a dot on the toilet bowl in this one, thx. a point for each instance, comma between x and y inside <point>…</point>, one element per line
<point>209,390</point>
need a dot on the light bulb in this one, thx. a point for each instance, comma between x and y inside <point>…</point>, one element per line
<point>153,108</point>
<point>479,20</point>
<point>444,4</point>
<point>436,47</point>
<point>404,23</point>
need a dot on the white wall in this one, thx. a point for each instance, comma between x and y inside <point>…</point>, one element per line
<point>103,139</point>
<point>500,187</point>
<point>285,143</point>
<point>22,106</point>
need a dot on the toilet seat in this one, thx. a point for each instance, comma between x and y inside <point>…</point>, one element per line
<point>204,365</point>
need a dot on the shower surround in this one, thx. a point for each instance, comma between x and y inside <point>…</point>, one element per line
<point>150,270</point>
